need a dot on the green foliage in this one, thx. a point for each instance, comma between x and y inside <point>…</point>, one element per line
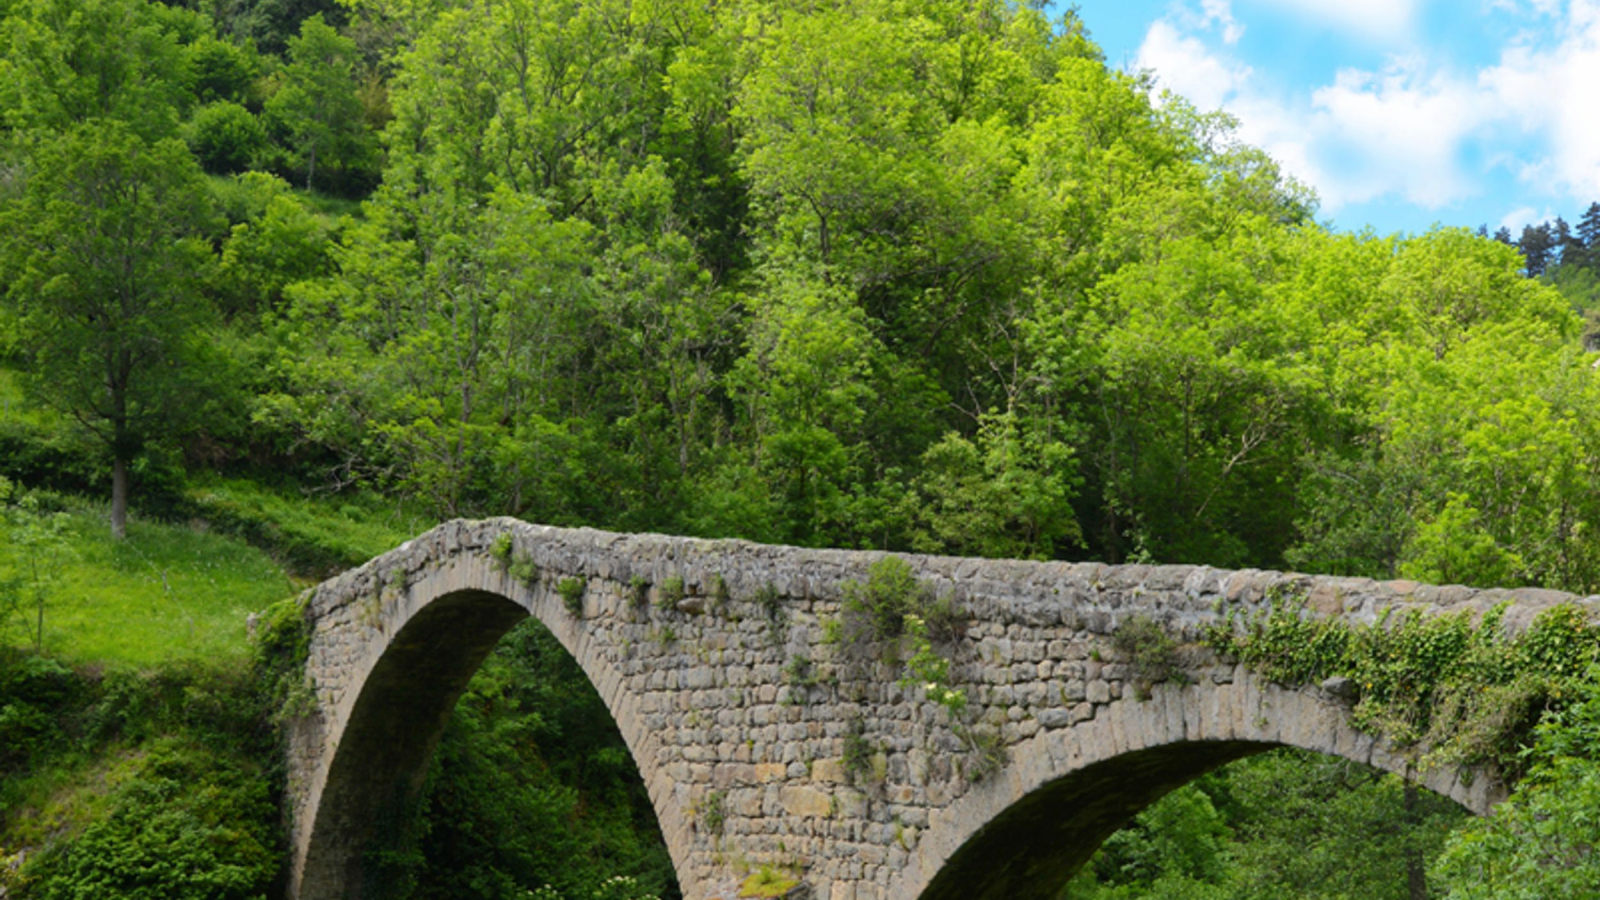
<point>65,72</point>
<point>532,785</point>
<point>1543,841</point>
<point>928,670</point>
<point>770,602</point>
<point>1006,496</point>
<point>571,591</point>
<point>278,243</point>
<point>524,569</point>
<point>185,825</point>
<point>1151,653</point>
<point>711,814</point>
<point>1182,838</point>
<point>616,887</point>
<point>767,882</point>
<point>225,137</point>
<point>639,591</point>
<point>167,592</point>
<point>317,113</point>
<point>1466,693</point>
<point>671,592</point>
<point>281,647</point>
<point>223,71</point>
<point>890,593</point>
<point>1283,824</point>
<point>986,752</point>
<point>37,546</point>
<point>858,752</point>
<point>500,551</point>
<point>800,673</point>
<point>100,192</point>
<point>313,536</point>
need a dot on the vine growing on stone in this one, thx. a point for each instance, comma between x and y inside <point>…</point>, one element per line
<point>1460,692</point>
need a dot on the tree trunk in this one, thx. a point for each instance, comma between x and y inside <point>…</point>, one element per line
<point>119,498</point>
<point>1416,875</point>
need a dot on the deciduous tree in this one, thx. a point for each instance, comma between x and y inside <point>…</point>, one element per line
<point>102,261</point>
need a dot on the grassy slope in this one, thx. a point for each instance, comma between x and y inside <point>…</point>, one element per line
<point>183,591</point>
<point>175,591</point>
<point>166,606</point>
<point>168,592</point>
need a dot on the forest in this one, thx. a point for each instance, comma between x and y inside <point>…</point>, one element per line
<point>290,280</point>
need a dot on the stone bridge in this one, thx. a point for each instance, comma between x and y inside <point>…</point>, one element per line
<point>765,739</point>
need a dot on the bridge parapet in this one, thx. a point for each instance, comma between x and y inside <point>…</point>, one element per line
<point>830,769</point>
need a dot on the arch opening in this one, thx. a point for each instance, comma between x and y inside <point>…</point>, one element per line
<point>1058,841</point>
<point>409,765</point>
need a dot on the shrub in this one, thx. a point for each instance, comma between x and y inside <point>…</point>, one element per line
<point>766,882</point>
<point>571,591</point>
<point>524,569</point>
<point>222,71</point>
<point>891,591</point>
<point>857,758</point>
<point>712,813</point>
<point>672,590</point>
<point>1151,653</point>
<point>500,550</point>
<point>187,825</point>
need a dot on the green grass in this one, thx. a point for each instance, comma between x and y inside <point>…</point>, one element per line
<point>177,591</point>
<point>168,592</point>
<point>314,537</point>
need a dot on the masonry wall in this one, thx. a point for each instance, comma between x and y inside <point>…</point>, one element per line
<point>738,707</point>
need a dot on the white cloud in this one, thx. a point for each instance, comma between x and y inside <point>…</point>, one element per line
<point>1364,136</point>
<point>1401,131</point>
<point>1544,91</point>
<point>1184,66</point>
<point>1404,131</point>
<point>1385,20</point>
<point>1220,13</point>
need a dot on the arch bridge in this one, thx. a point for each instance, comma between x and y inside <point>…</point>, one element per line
<point>764,739</point>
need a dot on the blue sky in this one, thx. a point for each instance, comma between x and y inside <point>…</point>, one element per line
<point>1400,113</point>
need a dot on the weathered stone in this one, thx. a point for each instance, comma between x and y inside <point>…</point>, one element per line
<point>1341,687</point>
<point>803,801</point>
<point>709,707</point>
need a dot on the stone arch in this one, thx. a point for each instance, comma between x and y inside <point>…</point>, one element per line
<point>703,683</point>
<point>394,651</point>
<point>1065,791</point>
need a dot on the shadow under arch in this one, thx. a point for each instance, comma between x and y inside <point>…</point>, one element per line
<point>394,727</point>
<point>1040,842</point>
<point>1065,792</point>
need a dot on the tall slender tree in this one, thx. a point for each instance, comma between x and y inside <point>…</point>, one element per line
<point>101,262</point>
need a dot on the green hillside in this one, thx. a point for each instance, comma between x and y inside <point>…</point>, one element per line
<point>285,283</point>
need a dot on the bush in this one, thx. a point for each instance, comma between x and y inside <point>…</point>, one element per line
<point>1151,653</point>
<point>188,825</point>
<point>571,591</point>
<point>225,137</point>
